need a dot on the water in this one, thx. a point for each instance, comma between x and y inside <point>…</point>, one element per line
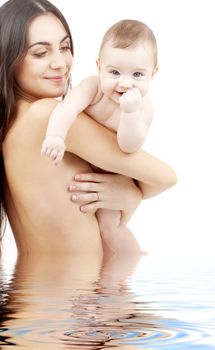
<point>123,305</point>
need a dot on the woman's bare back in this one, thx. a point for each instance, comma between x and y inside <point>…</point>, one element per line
<point>42,216</point>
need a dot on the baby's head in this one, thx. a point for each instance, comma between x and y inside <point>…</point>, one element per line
<point>127,33</point>
<point>127,58</point>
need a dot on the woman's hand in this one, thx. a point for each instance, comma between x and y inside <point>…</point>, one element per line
<point>110,191</point>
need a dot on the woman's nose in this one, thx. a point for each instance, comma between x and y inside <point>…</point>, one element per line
<point>58,61</point>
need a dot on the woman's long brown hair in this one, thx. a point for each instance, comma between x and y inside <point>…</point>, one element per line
<point>15,18</point>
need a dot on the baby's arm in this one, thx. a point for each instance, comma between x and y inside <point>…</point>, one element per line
<point>64,115</point>
<point>135,120</point>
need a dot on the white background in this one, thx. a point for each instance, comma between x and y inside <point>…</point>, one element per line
<point>180,222</point>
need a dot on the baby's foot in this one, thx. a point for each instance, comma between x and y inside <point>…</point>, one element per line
<point>54,148</point>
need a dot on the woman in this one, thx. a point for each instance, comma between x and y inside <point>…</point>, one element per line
<point>36,55</point>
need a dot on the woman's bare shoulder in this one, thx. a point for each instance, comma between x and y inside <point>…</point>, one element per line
<point>32,118</point>
<point>42,107</point>
<point>36,115</point>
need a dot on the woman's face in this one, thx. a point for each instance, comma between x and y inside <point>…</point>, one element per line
<point>45,70</point>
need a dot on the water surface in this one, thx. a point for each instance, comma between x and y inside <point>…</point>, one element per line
<point>125,304</point>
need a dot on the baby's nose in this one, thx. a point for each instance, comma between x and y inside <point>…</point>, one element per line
<point>125,84</point>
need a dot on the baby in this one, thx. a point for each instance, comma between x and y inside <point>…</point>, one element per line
<point>116,98</point>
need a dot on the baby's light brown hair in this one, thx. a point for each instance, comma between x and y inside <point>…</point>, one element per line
<point>128,32</point>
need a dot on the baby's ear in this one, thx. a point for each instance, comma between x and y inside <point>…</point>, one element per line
<point>154,71</point>
<point>98,64</point>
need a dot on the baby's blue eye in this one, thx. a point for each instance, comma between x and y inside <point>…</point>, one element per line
<point>115,72</point>
<point>137,74</point>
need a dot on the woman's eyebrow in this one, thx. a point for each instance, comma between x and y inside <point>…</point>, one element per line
<point>46,43</point>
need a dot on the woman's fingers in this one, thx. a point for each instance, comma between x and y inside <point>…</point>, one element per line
<point>85,197</point>
<point>88,190</point>
<point>85,186</point>
<point>90,202</point>
<point>90,207</point>
<point>92,191</point>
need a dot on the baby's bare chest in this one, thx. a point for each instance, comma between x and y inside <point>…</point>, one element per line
<point>105,112</point>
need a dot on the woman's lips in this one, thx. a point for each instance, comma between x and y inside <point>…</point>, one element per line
<point>57,78</point>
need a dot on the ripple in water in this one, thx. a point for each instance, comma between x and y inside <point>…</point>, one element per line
<point>137,314</point>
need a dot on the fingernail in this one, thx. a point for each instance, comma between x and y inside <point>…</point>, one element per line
<point>74,197</point>
<point>77,177</point>
<point>83,209</point>
<point>72,187</point>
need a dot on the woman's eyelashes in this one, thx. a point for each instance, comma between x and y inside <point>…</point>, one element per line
<point>44,53</point>
<point>40,54</point>
<point>65,48</point>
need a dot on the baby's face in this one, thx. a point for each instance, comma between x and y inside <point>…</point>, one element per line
<point>124,69</point>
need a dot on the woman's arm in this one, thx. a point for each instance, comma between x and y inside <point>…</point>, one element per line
<point>109,191</point>
<point>98,145</point>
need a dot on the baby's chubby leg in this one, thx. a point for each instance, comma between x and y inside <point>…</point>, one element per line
<point>116,236</point>
<point>54,148</point>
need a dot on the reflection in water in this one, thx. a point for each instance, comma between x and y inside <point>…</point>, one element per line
<point>76,303</point>
<point>69,304</point>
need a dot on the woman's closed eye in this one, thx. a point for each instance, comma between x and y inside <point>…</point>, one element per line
<point>43,53</point>
<point>65,48</point>
<point>40,53</point>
